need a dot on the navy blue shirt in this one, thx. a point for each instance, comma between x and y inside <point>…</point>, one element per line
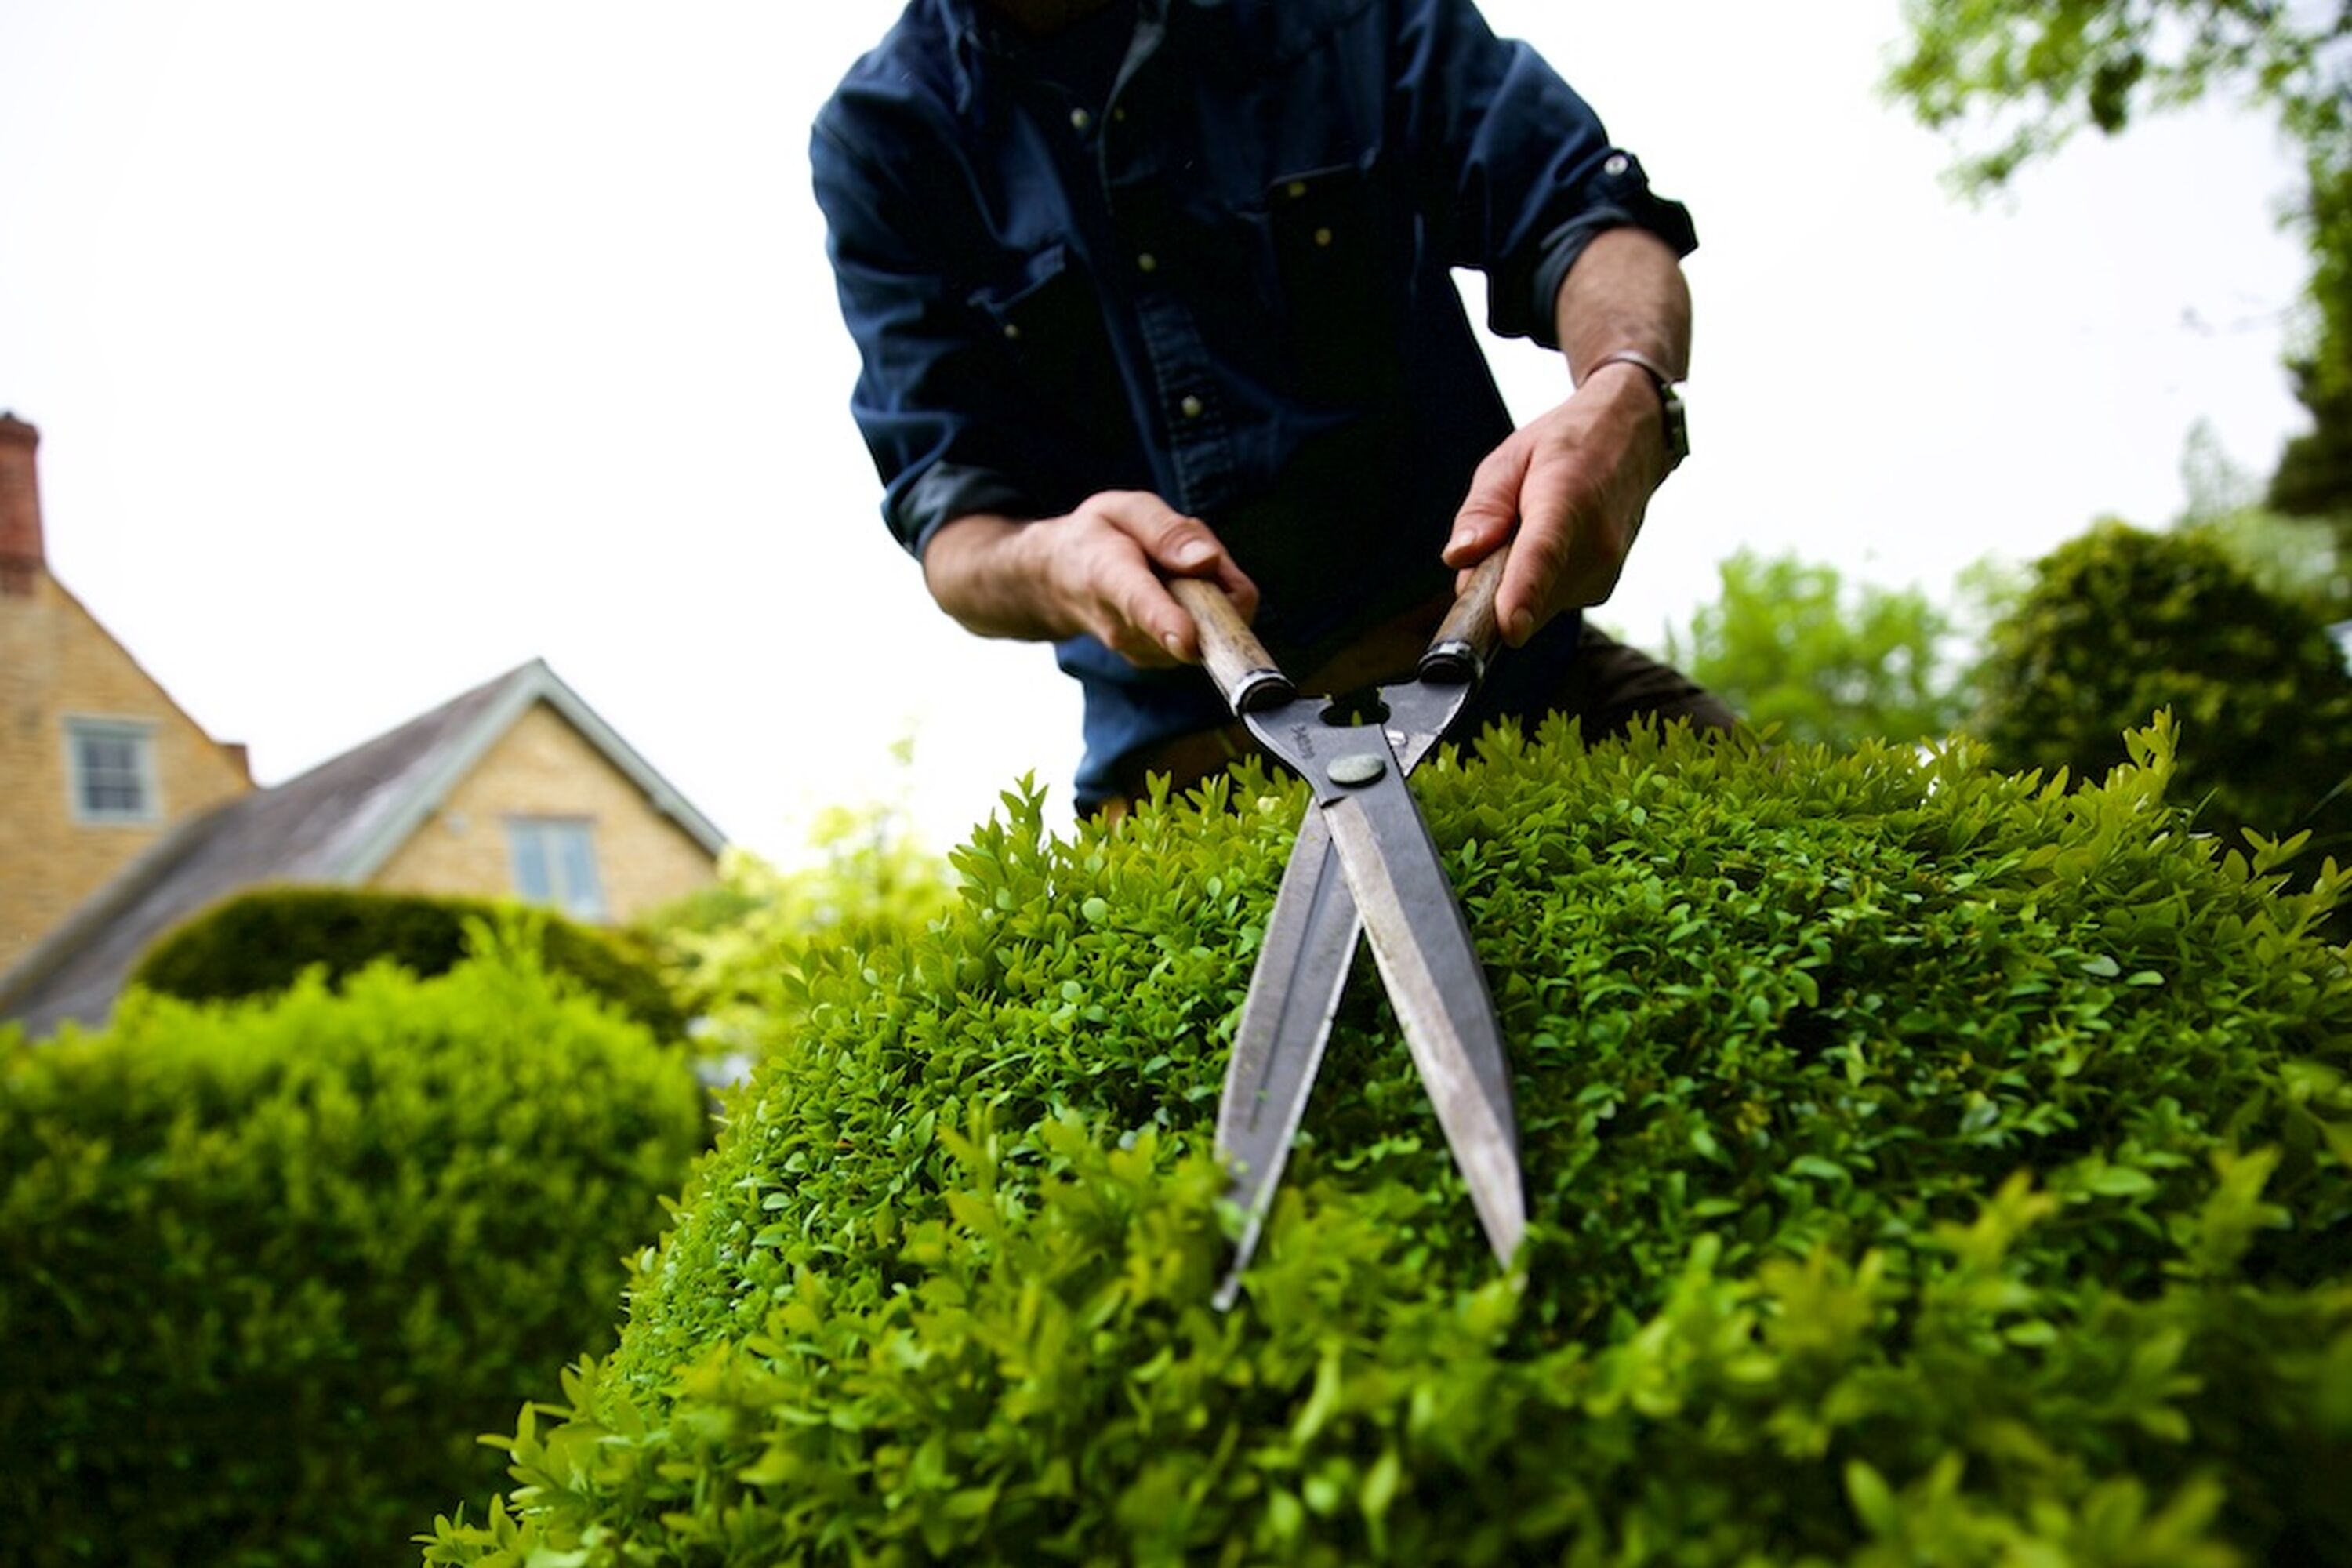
<point>1204,247</point>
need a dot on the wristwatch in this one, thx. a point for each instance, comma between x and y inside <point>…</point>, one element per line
<point>1670,402</point>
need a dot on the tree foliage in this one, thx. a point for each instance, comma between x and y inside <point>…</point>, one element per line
<point>2294,557</point>
<point>2314,472</point>
<point>736,953</point>
<point>2029,75</point>
<point>1791,644</point>
<point>2052,67</point>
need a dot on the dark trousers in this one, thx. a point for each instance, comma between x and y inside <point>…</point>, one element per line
<point>1607,686</point>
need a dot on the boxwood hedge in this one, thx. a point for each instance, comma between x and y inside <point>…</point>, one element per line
<point>1927,1164</point>
<point>268,1269</point>
<point>257,942</point>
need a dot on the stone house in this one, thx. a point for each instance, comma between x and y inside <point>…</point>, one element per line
<point>119,817</point>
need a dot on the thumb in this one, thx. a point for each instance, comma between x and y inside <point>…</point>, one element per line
<point>1490,512</point>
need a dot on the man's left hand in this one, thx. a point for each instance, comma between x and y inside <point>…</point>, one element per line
<point>1567,490</point>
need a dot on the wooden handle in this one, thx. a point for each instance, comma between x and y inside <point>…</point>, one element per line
<point>1469,636</point>
<point>1242,669</point>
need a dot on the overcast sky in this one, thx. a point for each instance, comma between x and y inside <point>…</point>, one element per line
<point>376,349</point>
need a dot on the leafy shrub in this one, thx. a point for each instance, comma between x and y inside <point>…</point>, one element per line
<point>2119,623</point>
<point>266,1271</point>
<point>257,944</point>
<point>735,952</point>
<point>1927,1164</point>
<point>1793,645</point>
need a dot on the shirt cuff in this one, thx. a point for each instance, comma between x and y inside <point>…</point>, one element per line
<point>1623,200</point>
<point>918,507</point>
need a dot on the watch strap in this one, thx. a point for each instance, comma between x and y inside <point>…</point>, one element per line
<point>1670,402</point>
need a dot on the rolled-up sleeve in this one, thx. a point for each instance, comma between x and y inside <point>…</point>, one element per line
<point>928,377</point>
<point>1518,161</point>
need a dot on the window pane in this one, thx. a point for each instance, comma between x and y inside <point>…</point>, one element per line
<point>555,863</point>
<point>583,895</point>
<point>529,846</point>
<point>111,773</point>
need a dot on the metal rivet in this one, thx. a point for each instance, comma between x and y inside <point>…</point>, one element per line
<point>1357,767</point>
<point>1618,164</point>
<point>1190,406</point>
<point>1147,262</point>
<point>1080,119</point>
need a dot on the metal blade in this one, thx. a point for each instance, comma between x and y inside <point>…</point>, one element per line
<point>1434,982</point>
<point>1302,968</point>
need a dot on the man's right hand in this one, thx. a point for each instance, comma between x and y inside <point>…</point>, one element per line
<point>1099,570</point>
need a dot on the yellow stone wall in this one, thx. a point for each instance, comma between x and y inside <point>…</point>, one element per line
<point>542,767</point>
<point>56,662</point>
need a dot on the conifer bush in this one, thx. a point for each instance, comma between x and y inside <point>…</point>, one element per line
<point>268,1269</point>
<point>1927,1164</point>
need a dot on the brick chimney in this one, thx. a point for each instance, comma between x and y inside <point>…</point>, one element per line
<point>22,557</point>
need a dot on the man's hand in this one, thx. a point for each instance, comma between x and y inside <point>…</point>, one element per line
<point>1100,570</point>
<point>1569,488</point>
<point>1573,483</point>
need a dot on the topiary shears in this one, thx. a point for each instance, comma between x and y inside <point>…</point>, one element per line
<point>1364,861</point>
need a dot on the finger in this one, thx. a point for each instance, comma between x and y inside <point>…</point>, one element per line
<point>1237,586</point>
<point>1491,511</point>
<point>1154,629</point>
<point>1523,601</point>
<point>1183,546</point>
<point>1573,509</point>
<point>1174,541</point>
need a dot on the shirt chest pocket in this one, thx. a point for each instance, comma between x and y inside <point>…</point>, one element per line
<point>1047,326</point>
<point>1343,273</point>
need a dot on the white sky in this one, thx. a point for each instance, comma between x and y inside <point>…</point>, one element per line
<point>376,349</point>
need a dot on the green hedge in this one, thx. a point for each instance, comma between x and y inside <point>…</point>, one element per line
<point>2120,622</point>
<point>1928,1165</point>
<point>267,1270</point>
<point>257,944</point>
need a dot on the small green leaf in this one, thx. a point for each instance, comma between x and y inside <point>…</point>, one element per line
<point>1872,1500</point>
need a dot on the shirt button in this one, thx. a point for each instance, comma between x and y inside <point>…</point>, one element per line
<point>1323,238</point>
<point>1012,330</point>
<point>1190,407</point>
<point>1617,164</point>
<point>1080,119</point>
<point>1147,262</point>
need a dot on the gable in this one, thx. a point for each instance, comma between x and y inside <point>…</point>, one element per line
<point>59,669</point>
<point>543,769</point>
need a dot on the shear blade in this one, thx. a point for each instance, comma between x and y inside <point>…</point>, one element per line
<point>1431,970</point>
<point>1302,970</point>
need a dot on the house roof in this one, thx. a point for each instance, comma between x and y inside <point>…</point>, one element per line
<point>336,824</point>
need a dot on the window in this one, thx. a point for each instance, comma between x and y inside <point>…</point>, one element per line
<point>555,863</point>
<point>110,768</point>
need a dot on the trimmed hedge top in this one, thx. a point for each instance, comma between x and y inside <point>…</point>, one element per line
<point>257,944</point>
<point>1926,1164</point>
